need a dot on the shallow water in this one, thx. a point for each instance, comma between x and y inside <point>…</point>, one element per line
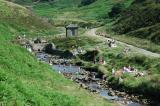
<point>134,104</point>
<point>66,69</point>
<point>42,57</point>
<point>104,93</point>
<point>92,86</point>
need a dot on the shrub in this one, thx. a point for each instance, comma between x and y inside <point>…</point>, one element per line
<point>116,10</point>
<point>86,2</point>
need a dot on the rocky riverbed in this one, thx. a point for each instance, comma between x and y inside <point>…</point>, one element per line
<point>91,80</point>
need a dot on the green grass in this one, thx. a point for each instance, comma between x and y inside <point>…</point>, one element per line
<point>79,41</point>
<point>24,80</point>
<point>146,44</point>
<point>67,10</point>
<point>132,40</point>
<point>57,9</point>
<point>147,85</point>
<point>19,20</point>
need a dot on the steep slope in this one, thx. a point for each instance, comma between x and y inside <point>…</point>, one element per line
<point>141,20</point>
<point>24,80</point>
<point>18,20</point>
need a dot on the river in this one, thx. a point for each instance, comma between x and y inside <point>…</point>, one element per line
<point>87,80</point>
<point>93,85</point>
<point>80,75</point>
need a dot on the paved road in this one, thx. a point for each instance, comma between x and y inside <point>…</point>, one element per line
<point>141,51</point>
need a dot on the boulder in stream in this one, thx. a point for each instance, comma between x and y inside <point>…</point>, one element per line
<point>111,93</point>
<point>49,47</point>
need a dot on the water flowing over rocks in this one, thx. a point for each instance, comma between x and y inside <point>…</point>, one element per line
<point>87,78</point>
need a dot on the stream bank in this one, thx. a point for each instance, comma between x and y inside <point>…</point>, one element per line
<point>90,79</point>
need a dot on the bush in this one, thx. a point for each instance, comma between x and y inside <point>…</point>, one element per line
<point>86,2</point>
<point>116,10</point>
<point>90,55</point>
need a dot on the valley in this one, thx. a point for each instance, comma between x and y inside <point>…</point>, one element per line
<point>109,62</point>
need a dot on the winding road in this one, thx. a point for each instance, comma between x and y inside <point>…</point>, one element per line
<point>92,32</point>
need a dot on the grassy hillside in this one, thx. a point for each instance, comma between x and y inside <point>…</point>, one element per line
<point>132,17</point>
<point>24,80</point>
<point>141,20</point>
<point>65,10</point>
<point>16,18</point>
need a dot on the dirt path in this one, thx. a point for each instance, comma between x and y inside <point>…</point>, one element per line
<point>92,32</point>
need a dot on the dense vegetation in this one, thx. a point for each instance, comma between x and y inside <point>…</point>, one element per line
<point>141,19</point>
<point>86,2</point>
<point>22,1</point>
<point>29,2</point>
